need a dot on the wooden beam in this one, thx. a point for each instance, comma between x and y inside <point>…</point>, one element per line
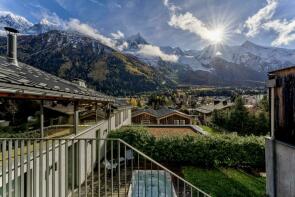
<point>76,117</point>
<point>44,97</point>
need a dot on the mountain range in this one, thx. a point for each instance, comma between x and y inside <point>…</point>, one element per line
<point>140,65</point>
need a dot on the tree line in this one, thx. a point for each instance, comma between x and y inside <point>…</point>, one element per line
<point>239,119</point>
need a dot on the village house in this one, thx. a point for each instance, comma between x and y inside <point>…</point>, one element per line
<point>162,116</point>
<point>204,112</point>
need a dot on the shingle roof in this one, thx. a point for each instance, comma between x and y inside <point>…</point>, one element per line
<point>28,80</point>
<point>120,103</point>
<point>158,113</point>
<point>207,109</point>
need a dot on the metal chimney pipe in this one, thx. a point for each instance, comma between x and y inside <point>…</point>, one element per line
<point>11,45</point>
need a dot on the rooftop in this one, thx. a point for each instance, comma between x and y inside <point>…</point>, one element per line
<point>282,70</point>
<point>25,81</point>
<point>158,113</point>
<point>207,109</point>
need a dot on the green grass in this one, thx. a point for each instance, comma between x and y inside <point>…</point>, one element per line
<point>225,182</point>
<point>210,130</point>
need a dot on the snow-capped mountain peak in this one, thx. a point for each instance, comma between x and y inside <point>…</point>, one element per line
<point>134,41</point>
<point>13,20</point>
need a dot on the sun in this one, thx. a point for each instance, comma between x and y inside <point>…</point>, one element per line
<point>216,35</point>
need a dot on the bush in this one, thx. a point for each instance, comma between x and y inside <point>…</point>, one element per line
<point>202,151</point>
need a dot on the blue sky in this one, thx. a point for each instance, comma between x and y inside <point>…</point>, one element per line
<point>189,24</point>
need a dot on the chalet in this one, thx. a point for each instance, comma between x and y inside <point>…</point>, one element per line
<point>204,112</point>
<point>280,146</point>
<point>162,116</point>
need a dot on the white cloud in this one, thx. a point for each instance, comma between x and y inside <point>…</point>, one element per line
<point>254,23</point>
<point>151,50</point>
<point>117,35</point>
<point>52,20</point>
<point>190,23</point>
<point>218,53</point>
<point>117,5</point>
<point>97,2</point>
<point>285,30</point>
<point>170,6</point>
<point>76,25</point>
<point>122,46</point>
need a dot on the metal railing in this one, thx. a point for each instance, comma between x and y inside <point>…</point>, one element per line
<point>85,167</point>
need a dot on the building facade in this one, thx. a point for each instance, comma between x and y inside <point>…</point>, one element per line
<point>280,146</point>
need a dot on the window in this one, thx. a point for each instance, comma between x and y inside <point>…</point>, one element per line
<point>176,122</point>
<point>182,122</point>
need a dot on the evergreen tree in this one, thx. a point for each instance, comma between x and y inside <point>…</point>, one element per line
<point>239,117</point>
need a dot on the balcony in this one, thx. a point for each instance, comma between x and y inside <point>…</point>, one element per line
<point>85,167</point>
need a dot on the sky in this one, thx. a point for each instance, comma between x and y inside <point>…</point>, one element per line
<point>189,24</point>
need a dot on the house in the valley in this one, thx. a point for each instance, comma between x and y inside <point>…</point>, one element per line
<point>204,112</point>
<point>162,116</point>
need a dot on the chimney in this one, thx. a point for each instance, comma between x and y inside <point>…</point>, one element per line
<point>80,82</point>
<point>11,45</point>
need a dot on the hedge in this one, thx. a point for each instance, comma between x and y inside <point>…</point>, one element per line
<point>203,151</point>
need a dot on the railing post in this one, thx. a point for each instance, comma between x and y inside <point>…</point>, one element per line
<point>41,168</point>
<point>22,184</point>
<point>119,173</point>
<point>3,168</point>
<point>98,164</point>
<point>29,168</point>
<point>66,167</point>
<point>16,167</point>
<point>42,118</point>
<point>9,167</point>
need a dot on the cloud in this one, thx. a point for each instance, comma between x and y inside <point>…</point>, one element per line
<point>122,46</point>
<point>218,53</point>
<point>190,23</point>
<point>76,25</point>
<point>117,5</point>
<point>97,2</point>
<point>254,23</point>
<point>151,50</point>
<point>285,30</point>
<point>52,19</point>
<point>170,6</point>
<point>117,35</point>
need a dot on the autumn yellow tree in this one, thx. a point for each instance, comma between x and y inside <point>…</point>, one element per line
<point>133,102</point>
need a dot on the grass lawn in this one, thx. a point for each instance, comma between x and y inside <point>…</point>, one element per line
<point>160,132</point>
<point>225,182</point>
<point>210,130</point>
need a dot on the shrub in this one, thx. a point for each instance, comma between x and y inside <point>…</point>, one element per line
<point>203,151</point>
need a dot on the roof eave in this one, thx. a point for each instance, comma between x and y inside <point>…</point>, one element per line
<point>24,92</point>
